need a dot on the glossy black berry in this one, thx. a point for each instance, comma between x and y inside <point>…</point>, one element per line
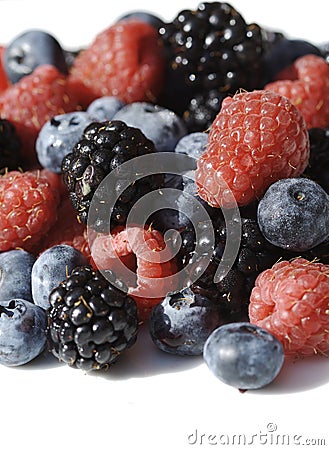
<point>91,320</point>
<point>104,147</point>
<point>202,110</point>
<point>10,146</point>
<point>210,48</point>
<point>318,166</point>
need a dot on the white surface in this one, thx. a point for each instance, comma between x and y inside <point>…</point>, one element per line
<point>151,400</point>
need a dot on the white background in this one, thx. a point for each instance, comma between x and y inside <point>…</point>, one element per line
<point>151,400</point>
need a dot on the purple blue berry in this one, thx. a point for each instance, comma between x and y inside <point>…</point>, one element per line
<point>15,275</point>
<point>182,322</point>
<point>193,144</point>
<point>243,355</point>
<point>22,331</point>
<point>294,214</point>
<point>162,126</point>
<point>51,268</point>
<point>29,50</point>
<point>104,108</point>
<point>58,136</point>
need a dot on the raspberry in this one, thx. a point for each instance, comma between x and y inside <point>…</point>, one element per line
<point>139,250</point>
<point>126,60</point>
<point>256,139</point>
<point>290,300</point>
<point>33,101</point>
<point>67,230</point>
<point>308,88</point>
<point>28,209</point>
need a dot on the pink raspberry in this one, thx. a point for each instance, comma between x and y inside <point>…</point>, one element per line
<point>291,301</point>
<point>256,139</point>
<point>140,250</point>
<point>307,88</point>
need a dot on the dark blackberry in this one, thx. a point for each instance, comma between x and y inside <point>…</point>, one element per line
<point>255,255</point>
<point>91,320</point>
<point>318,166</point>
<point>104,147</point>
<point>10,146</point>
<point>210,48</point>
<point>233,291</point>
<point>202,110</point>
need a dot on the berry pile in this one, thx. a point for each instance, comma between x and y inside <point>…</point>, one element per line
<point>170,175</point>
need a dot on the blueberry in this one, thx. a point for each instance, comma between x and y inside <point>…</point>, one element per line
<point>243,355</point>
<point>58,136</point>
<point>31,49</point>
<point>284,52</point>
<point>186,207</point>
<point>324,49</point>
<point>22,331</point>
<point>51,268</point>
<point>182,322</point>
<point>294,214</point>
<point>192,144</point>
<point>104,108</point>
<point>144,16</point>
<point>160,125</point>
<point>15,275</point>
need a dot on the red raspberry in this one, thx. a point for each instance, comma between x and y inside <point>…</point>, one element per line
<point>66,230</point>
<point>4,83</point>
<point>28,208</point>
<point>291,300</point>
<point>149,278</point>
<point>34,100</point>
<point>308,88</point>
<point>125,60</point>
<point>256,139</point>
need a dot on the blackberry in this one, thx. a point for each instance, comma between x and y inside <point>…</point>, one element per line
<point>104,147</point>
<point>202,110</point>
<point>10,146</point>
<point>210,48</point>
<point>91,320</point>
<point>255,255</point>
<point>318,167</point>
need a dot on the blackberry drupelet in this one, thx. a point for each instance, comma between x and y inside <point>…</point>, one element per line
<point>91,320</point>
<point>202,110</point>
<point>210,48</point>
<point>318,167</point>
<point>10,146</point>
<point>104,147</point>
